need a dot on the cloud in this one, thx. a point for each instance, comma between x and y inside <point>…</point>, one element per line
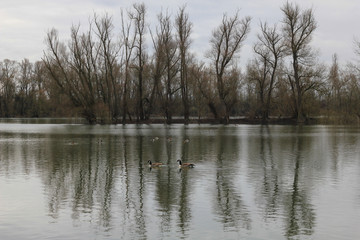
<point>23,23</point>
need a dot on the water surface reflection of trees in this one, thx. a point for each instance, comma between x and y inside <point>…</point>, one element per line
<point>228,202</point>
<point>103,179</point>
<point>81,174</point>
<point>283,192</point>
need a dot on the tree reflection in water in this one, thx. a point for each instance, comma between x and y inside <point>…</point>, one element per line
<point>299,213</point>
<point>246,179</point>
<point>270,187</point>
<point>282,191</point>
<point>83,179</point>
<point>229,204</point>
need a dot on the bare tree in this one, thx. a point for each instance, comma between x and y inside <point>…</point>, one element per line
<point>39,76</point>
<point>86,69</point>
<point>138,18</point>
<point>304,74</point>
<point>352,86</point>
<point>158,66</point>
<point>108,79</point>
<point>127,46</point>
<point>269,50</point>
<point>226,42</point>
<point>71,68</point>
<point>357,47</point>
<point>205,88</point>
<point>335,84</point>
<point>8,72</point>
<point>165,66</point>
<point>26,88</point>
<point>183,30</point>
<point>352,93</point>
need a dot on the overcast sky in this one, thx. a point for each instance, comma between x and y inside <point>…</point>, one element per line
<point>24,23</point>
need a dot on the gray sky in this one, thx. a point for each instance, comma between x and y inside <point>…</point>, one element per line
<point>24,23</point>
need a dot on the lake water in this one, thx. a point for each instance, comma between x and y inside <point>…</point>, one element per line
<point>74,181</point>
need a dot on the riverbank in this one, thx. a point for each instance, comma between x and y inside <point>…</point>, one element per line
<point>289,121</point>
<point>193,120</point>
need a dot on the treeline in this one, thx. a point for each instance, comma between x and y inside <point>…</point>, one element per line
<point>109,75</point>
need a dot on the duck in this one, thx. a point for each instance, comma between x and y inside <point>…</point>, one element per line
<point>151,164</point>
<point>187,140</point>
<point>155,139</point>
<point>185,165</point>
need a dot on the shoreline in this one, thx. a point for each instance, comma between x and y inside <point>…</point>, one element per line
<point>178,120</point>
<point>280,121</point>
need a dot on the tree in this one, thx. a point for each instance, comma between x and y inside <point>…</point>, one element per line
<point>8,72</point>
<point>126,51</point>
<point>108,73</point>
<point>39,75</point>
<point>304,74</point>
<point>335,85</point>
<point>183,30</point>
<point>165,67</point>
<point>67,70</point>
<point>86,69</point>
<point>26,89</point>
<point>138,18</point>
<point>269,50</point>
<point>226,42</point>
<point>205,88</point>
<point>351,85</point>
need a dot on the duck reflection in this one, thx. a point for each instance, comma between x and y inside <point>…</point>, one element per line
<point>184,190</point>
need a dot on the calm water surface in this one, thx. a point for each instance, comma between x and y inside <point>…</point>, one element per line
<point>73,181</point>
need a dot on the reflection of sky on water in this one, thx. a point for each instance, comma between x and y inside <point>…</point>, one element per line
<point>275,182</point>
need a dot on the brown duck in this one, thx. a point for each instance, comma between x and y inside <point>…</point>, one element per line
<point>185,165</point>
